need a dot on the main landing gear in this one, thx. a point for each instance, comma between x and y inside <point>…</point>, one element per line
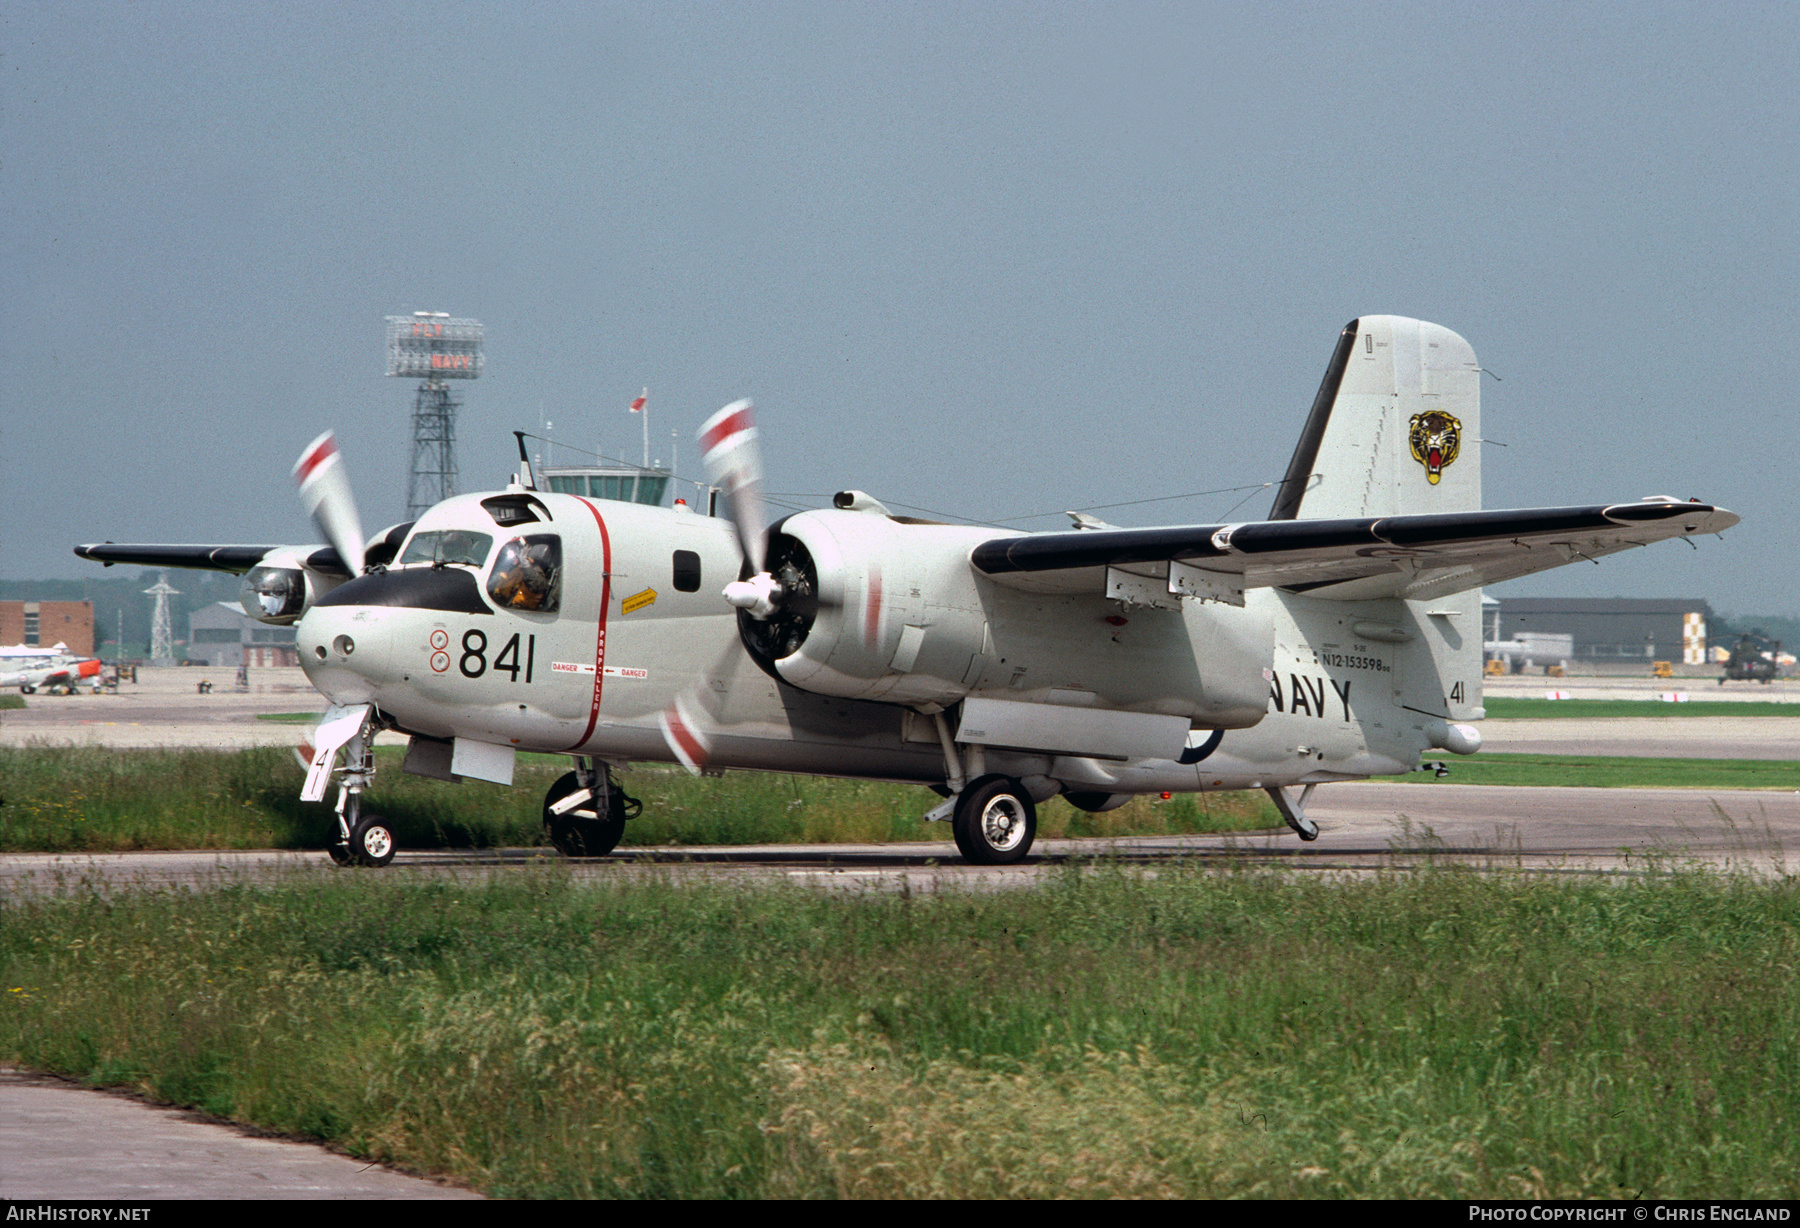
<point>585,812</point>
<point>994,821</point>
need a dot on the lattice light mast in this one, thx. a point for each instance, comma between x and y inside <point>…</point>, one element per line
<point>162,636</point>
<point>433,348</point>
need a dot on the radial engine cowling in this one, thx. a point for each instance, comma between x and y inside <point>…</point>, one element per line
<point>872,608</point>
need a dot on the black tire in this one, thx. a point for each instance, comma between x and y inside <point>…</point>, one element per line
<point>576,836</point>
<point>372,841</point>
<point>339,854</point>
<point>995,821</point>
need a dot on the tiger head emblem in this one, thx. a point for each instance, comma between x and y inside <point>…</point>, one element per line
<point>1436,438</point>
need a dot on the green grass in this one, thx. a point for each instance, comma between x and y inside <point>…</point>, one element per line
<point>1507,708</point>
<point>289,718</point>
<point>1604,772</point>
<point>1194,1033</point>
<point>92,799</point>
<point>11,703</point>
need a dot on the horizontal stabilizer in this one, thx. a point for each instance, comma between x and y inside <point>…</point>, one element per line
<point>1421,556</point>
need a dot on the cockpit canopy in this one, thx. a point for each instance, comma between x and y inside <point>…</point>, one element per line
<point>527,574</point>
<point>463,547</point>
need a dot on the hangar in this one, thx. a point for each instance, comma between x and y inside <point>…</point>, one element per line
<point>1612,634</point>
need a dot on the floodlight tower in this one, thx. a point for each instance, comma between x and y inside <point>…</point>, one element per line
<point>432,347</point>
<point>162,638</point>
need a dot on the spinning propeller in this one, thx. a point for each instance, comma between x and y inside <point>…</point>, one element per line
<point>325,490</point>
<point>734,462</point>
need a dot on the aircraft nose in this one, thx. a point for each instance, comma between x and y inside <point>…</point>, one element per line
<point>346,651</point>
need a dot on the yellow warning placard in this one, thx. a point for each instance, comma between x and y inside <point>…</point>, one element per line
<point>637,601</point>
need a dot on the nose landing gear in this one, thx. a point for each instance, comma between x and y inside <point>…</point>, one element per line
<point>361,839</point>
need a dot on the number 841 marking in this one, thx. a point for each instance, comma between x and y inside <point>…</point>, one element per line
<point>475,663</point>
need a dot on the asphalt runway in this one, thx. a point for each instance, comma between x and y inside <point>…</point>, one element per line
<point>1366,826</point>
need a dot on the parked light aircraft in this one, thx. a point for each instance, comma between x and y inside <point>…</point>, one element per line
<point>55,669</point>
<point>1338,639</point>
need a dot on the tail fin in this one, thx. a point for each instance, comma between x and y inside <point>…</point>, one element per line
<point>1394,430</point>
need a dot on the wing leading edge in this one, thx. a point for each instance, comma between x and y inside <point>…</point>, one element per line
<point>234,559</point>
<point>1418,556</point>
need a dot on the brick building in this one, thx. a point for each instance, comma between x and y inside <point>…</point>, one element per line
<point>44,624</point>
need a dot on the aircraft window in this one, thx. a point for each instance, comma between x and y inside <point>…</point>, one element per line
<point>448,546</point>
<point>687,571</point>
<point>509,510</point>
<point>527,574</point>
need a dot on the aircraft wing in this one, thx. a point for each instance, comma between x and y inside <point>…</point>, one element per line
<point>234,559</point>
<point>1420,557</point>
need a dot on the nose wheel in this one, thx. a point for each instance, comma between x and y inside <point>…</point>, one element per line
<point>363,839</point>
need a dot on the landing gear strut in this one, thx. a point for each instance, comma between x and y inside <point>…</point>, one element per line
<point>1294,811</point>
<point>585,811</point>
<point>362,839</point>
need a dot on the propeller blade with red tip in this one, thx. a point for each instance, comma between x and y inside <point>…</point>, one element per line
<point>325,490</point>
<point>733,461</point>
<point>685,727</point>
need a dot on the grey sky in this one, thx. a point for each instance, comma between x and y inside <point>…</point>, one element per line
<point>986,259</point>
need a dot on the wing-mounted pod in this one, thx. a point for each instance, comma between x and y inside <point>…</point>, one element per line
<point>290,579</point>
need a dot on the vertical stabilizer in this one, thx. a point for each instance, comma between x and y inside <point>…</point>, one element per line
<point>1395,428</point>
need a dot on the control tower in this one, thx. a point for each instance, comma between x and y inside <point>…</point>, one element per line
<point>433,348</point>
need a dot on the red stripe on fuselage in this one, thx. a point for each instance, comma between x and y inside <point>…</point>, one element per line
<point>600,633</point>
<point>872,615</point>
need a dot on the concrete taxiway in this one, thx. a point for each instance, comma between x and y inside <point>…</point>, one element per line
<point>60,1141</point>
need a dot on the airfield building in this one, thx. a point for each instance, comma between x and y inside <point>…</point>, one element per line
<point>44,624</point>
<point>1609,635</point>
<point>223,636</point>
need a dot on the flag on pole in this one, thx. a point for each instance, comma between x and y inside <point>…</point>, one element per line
<point>637,406</point>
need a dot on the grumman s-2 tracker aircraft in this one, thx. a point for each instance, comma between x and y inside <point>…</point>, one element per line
<point>1336,640</point>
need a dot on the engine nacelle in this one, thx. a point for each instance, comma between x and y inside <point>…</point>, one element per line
<point>279,589</point>
<point>873,608</point>
<point>877,608</point>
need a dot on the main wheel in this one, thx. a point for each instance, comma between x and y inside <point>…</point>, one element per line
<point>371,841</point>
<point>339,854</point>
<point>577,835</point>
<point>995,821</point>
